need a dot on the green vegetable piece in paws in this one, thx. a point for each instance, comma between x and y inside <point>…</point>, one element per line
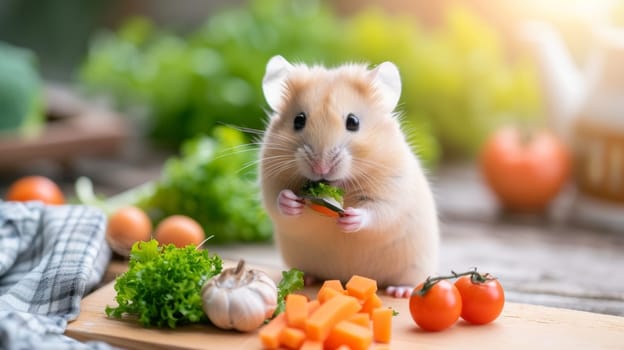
<point>322,194</point>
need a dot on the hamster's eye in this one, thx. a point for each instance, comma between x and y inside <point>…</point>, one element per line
<point>300,121</point>
<point>353,123</point>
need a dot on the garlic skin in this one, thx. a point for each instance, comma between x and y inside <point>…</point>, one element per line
<point>239,298</point>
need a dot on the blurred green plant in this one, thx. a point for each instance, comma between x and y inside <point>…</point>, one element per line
<point>458,82</point>
<point>212,75</point>
<point>213,181</point>
<point>21,91</point>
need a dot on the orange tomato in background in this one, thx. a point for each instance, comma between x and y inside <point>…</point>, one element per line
<point>525,170</point>
<point>126,226</point>
<point>179,230</point>
<point>35,187</point>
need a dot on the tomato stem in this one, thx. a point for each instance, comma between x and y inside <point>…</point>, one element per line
<point>475,277</point>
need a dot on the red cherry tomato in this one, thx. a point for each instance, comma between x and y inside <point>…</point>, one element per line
<point>482,302</point>
<point>30,188</point>
<point>439,307</point>
<point>524,170</point>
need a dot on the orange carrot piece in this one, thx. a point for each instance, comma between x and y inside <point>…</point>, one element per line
<point>312,305</point>
<point>343,347</point>
<point>360,318</point>
<point>326,293</point>
<point>335,284</point>
<point>311,345</point>
<point>382,324</point>
<point>323,210</point>
<point>296,310</point>
<point>370,304</point>
<point>270,333</point>
<point>334,310</point>
<point>381,347</point>
<point>292,338</point>
<point>361,287</point>
<point>350,334</point>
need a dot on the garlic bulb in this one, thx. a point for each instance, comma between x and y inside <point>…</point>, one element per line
<point>239,298</point>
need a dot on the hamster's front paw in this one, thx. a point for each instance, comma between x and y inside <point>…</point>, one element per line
<point>289,203</point>
<point>399,291</point>
<point>354,219</point>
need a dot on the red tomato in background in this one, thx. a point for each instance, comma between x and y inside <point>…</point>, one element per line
<point>35,187</point>
<point>482,302</point>
<point>438,309</point>
<point>524,170</point>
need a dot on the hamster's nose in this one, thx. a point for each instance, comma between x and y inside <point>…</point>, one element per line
<point>320,168</point>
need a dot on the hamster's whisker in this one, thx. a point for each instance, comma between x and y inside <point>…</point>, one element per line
<point>248,165</point>
<point>371,164</point>
<point>244,129</point>
<point>365,179</point>
<point>284,140</point>
<point>277,165</point>
<point>235,150</point>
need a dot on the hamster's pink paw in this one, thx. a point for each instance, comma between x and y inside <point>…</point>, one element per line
<point>399,291</point>
<point>289,203</point>
<point>354,219</point>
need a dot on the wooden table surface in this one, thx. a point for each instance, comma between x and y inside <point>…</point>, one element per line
<point>518,327</point>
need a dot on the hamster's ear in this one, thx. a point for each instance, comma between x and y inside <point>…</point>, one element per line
<point>388,83</point>
<point>273,82</point>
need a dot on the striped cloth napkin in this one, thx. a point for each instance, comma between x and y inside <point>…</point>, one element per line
<point>50,257</point>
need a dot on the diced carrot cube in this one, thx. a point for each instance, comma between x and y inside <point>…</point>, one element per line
<point>270,333</point>
<point>336,309</point>
<point>381,347</point>
<point>296,310</point>
<point>311,345</point>
<point>312,305</point>
<point>382,324</point>
<point>292,338</point>
<point>361,318</point>
<point>326,293</point>
<point>372,303</point>
<point>361,287</point>
<point>347,333</point>
<point>334,284</point>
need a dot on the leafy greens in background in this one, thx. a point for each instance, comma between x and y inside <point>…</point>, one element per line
<point>458,82</point>
<point>213,181</point>
<point>21,91</point>
<point>212,75</point>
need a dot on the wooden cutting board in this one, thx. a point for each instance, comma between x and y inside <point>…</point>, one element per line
<point>520,326</point>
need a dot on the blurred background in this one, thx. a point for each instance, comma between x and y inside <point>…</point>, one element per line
<point>88,81</point>
<point>125,84</point>
<point>124,93</point>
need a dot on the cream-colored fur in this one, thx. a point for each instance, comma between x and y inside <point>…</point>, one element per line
<point>391,229</point>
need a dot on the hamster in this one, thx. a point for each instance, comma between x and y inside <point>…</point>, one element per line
<point>338,125</point>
